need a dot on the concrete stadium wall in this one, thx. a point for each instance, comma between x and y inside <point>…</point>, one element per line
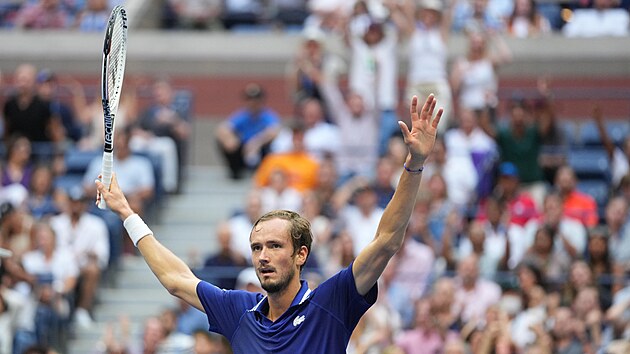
<point>215,66</point>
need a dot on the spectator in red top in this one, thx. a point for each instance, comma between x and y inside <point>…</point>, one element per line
<point>520,205</point>
<point>576,204</point>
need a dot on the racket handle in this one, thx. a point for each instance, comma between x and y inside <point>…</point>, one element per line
<point>106,175</point>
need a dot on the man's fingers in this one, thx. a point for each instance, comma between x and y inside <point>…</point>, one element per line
<point>436,120</point>
<point>404,129</point>
<point>427,104</point>
<point>413,109</point>
<point>114,182</point>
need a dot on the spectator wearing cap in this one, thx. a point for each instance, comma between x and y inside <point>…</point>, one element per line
<point>86,236</point>
<point>244,138</point>
<point>520,206</point>
<point>373,76</point>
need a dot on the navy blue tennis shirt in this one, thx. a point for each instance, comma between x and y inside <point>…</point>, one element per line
<point>318,321</point>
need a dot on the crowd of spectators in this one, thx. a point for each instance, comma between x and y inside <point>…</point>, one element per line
<point>62,246</point>
<point>518,18</point>
<point>504,251</point>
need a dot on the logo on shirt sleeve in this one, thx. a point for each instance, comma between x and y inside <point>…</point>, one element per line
<point>298,320</point>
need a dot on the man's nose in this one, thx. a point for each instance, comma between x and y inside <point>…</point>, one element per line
<point>263,257</point>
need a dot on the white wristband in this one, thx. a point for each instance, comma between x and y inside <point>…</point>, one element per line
<point>136,228</point>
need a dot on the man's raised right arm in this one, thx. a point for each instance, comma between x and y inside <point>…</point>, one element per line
<point>171,271</point>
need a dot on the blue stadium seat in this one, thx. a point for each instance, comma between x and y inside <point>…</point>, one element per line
<point>618,130</point>
<point>599,190</point>
<point>589,163</point>
<point>569,130</point>
<point>77,161</point>
<point>589,134</point>
<point>68,181</point>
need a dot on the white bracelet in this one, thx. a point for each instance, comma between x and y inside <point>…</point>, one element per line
<point>136,228</point>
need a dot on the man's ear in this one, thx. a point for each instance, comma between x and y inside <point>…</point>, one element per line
<point>301,255</point>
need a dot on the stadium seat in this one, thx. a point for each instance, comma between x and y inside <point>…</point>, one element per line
<point>599,190</point>
<point>77,161</point>
<point>569,131</point>
<point>589,163</point>
<point>618,130</point>
<point>589,134</point>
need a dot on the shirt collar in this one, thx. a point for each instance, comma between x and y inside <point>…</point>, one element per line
<point>300,297</point>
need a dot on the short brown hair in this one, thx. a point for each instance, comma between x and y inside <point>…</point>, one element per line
<point>299,229</point>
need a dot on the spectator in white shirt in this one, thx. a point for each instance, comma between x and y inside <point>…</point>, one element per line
<point>278,194</point>
<point>86,236</point>
<point>602,20</point>
<point>474,295</point>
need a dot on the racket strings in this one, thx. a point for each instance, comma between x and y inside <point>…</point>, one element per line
<point>116,62</point>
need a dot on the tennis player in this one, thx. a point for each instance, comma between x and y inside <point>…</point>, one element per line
<point>292,318</point>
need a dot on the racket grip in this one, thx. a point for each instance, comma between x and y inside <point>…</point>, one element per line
<point>106,175</point>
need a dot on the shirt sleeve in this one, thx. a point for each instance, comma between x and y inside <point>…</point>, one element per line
<point>224,308</point>
<point>340,297</point>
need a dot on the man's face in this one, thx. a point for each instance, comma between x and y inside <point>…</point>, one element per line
<point>272,255</point>
<point>565,180</point>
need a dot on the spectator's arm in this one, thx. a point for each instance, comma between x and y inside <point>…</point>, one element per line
<point>571,250</point>
<point>546,118</point>
<point>226,137</point>
<point>261,139</point>
<point>403,15</point>
<point>486,124</point>
<point>341,197</point>
<point>615,312</point>
<point>618,271</point>
<point>370,263</point>
<point>447,19</point>
<point>502,54</point>
<point>598,117</point>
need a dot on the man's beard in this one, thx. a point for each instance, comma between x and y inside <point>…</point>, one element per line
<point>272,287</point>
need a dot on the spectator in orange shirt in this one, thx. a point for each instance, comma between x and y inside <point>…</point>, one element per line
<point>576,204</point>
<point>300,168</point>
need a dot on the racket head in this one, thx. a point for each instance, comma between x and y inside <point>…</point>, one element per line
<point>113,70</point>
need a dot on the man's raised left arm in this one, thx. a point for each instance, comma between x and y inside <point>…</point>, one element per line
<point>370,263</point>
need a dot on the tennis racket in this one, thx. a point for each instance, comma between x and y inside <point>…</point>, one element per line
<point>114,57</point>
